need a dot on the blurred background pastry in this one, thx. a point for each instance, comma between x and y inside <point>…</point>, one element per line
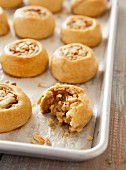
<point>81,29</point>
<point>52,5</point>
<point>91,8</point>
<point>4,26</point>
<point>10,3</point>
<point>33,22</point>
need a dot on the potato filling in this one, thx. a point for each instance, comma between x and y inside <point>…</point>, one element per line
<point>59,102</point>
<point>73,52</point>
<point>79,23</point>
<point>7,98</point>
<point>24,48</point>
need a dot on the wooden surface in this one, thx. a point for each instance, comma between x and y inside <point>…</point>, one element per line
<point>115,156</point>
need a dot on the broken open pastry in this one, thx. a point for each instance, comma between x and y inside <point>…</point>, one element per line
<point>10,3</point>
<point>74,63</point>
<point>91,8</point>
<point>81,29</point>
<point>24,58</point>
<point>69,104</point>
<point>52,5</point>
<point>33,22</point>
<point>4,26</point>
<point>15,107</point>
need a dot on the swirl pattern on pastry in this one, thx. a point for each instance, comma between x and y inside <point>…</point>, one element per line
<point>69,104</point>
<point>37,22</point>
<point>81,29</point>
<point>26,58</point>
<point>74,63</point>
<point>15,107</point>
<point>73,52</point>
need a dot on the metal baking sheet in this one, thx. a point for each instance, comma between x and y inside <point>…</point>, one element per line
<point>76,146</point>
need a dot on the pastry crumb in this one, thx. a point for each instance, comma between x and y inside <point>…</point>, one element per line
<point>39,85</point>
<point>51,122</point>
<point>66,134</point>
<point>47,141</point>
<point>89,138</point>
<point>33,141</point>
<point>38,138</point>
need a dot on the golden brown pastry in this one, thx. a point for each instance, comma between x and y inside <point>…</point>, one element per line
<point>15,107</point>
<point>91,8</point>
<point>10,3</point>
<point>4,27</point>
<point>69,104</point>
<point>81,29</point>
<point>52,5</point>
<point>33,22</point>
<point>24,58</point>
<point>74,63</point>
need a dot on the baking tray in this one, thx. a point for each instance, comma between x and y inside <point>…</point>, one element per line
<point>76,147</point>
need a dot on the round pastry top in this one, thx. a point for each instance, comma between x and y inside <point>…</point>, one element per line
<point>32,11</point>
<point>8,98</point>
<point>23,48</point>
<point>74,51</point>
<point>79,22</point>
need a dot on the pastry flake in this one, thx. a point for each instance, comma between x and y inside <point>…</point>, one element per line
<point>69,104</point>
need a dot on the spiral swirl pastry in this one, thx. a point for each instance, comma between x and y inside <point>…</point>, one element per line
<point>26,58</point>
<point>15,107</point>
<point>33,22</point>
<point>81,29</point>
<point>74,63</point>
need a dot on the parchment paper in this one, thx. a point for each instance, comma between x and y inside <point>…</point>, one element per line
<point>34,88</point>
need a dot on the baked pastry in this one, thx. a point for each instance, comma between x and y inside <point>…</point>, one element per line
<point>10,3</point>
<point>4,27</point>
<point>15,107</point>
<point>24,58</point>
<point>69,104</point>
<point>52,5</point>
<point>74,63</point>
<point>91,8</point>
<point>81,29</point>
<point>33,22</point>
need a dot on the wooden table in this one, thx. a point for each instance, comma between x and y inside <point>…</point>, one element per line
<point>115,156</point>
